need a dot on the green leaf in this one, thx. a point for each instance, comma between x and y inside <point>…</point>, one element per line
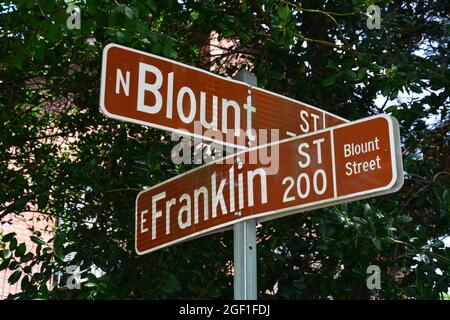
<point>17,61</point>
<point>4,264</point>
<point>43,290</point>
<point>51,32</point>
<point>20,251</point>
<point>37,240</point>
<point>151,4</point>
<point>416,89</point>
<point>14,265</point>
<point>129,12</point>
<point>277,75</point>
<point>13,244</point>
<point>393,95</point>
<point>245,38</point>
<point>350,75</point>
<point>377,243</point>
<point>59,245</point>
<point>385,90</point>
<point>169,52</point>
<point>284,14</point>
<point>8,237</point>
<point>330,80</point>
<point>90,285</point>
<point>25,283</point>
<point>6,254</point>
<point>194,15</point>
<point>228,33</point>
<point>27,257</point>
<point>13,278</point>
<point>331,65</point>
<point>347,63</point>
<point>244,6</point>
<point>20,203</point>
<point>420,282</point>
<point>364,59</point>
<point>171,284</point>
<point>361,73</point>
<point>391,109</point>
<point>360,220</point>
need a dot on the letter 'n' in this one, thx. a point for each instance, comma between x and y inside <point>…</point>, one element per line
<point>120,81</point>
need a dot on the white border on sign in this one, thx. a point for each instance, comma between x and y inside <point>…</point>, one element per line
<point>170,129</point>
<point>394,185</point>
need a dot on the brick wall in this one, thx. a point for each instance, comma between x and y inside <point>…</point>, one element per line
<point>23,225</point>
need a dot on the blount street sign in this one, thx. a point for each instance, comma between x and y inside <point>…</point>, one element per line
<point>352,161</point>
<point>142,88</point>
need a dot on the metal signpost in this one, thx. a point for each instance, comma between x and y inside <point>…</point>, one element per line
<point>244,239</point>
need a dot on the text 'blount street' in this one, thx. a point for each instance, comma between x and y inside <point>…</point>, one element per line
<point>355,160</point>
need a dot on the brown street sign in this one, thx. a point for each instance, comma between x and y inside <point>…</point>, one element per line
<point>351,161</point>
<point>142,88</point>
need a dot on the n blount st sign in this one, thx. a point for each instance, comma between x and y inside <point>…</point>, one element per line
<point>352,161</point>
<point>142,88</point>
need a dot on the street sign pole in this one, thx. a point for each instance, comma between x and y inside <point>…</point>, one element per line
<point>244,239</point>
<point>245,278</point>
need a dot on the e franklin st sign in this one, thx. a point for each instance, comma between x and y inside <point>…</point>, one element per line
<point>348,162</point>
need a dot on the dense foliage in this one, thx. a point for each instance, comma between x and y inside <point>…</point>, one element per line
<point>85,170</point>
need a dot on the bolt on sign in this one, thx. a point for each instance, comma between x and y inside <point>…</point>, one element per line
<point>142,88</point>
<point>352,161</point>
